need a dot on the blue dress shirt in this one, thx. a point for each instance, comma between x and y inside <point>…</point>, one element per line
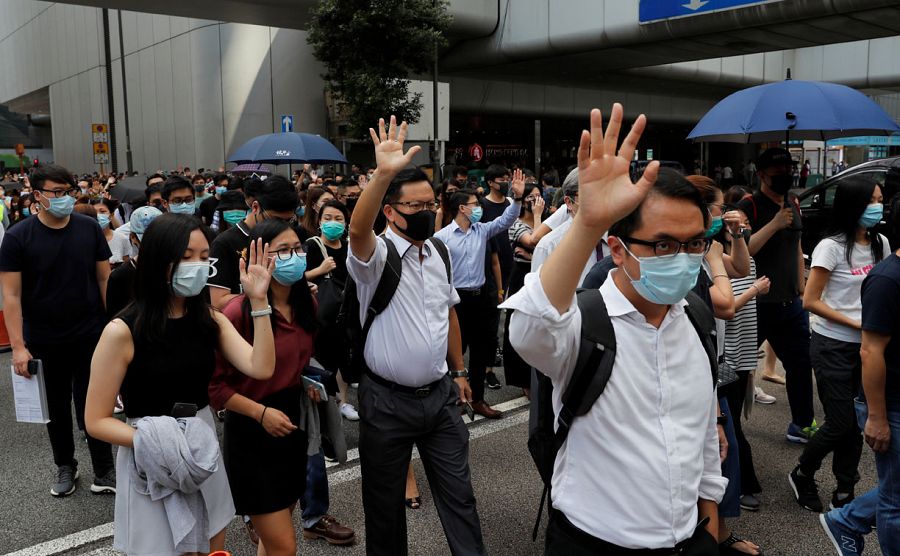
<point>467,247</point>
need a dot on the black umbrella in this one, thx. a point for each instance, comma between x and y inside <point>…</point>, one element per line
<point>130,189</point>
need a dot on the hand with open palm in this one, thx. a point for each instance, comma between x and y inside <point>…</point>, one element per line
<point>389,157</point>
<point>606,193</point>
<point>256,272</point>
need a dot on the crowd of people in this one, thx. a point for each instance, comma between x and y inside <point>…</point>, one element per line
<point>260,301</point>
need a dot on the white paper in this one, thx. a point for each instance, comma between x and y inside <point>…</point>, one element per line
<point>31,397</point>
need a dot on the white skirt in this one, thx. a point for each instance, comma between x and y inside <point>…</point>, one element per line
<point>141,526</point>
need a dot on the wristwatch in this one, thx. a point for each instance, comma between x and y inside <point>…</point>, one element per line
<point>459,374</point>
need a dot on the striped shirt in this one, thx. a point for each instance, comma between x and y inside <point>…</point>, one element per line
<point>516,231</point>
<point>740,332</point>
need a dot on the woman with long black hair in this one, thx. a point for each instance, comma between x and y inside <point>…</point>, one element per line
<point>840,263</point>
<point>160,353</point>
<point>261,431</point>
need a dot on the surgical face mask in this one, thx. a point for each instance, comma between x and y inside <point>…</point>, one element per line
<point>351,203</point>
<point>182,208</point>
<point>199,189</point>
<point>26,211</point>
<point>103,220</point>
<point>666,280</point>
<point>289,272</point>
<point>300,211</point>
<point>61,207</point>
<point>781,183</point>
<point>714,227</point>
<point>419,226</point>
<point>476,214</point>
<point>234,216</point>
<point>333,230</point>
<point>221,190</point>
<point>502,187</point>
<point>189,279</point>
<point>872,215</point>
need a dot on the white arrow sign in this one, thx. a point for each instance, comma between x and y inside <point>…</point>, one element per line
<point>695,4</point>
<point>287,124</point>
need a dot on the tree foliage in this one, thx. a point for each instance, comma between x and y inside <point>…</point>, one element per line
<point>369,49</point>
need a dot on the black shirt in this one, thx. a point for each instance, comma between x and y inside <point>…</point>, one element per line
<point>208,209</point>
<point>314,259</point>
<point>224,254</point>
<point>178,370</point>
<point>120,288</point>
<point>881,314</point>
<point>60,294</point>
<point>492,211</point>
<point>778,257</point>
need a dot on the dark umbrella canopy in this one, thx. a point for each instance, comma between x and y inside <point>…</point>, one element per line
<point>253,168</point>
<point>130,189</point>
<point>287,148</point>
<point>796,109</point>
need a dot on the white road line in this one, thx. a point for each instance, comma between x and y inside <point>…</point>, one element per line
<point>105,531</point>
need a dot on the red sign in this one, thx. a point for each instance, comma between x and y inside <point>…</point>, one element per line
<point>476,153</point>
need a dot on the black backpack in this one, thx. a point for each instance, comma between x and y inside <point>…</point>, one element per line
<point>348,316</point>
<point>589,378</point>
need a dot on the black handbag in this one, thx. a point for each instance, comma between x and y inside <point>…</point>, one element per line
<point>331,293</point>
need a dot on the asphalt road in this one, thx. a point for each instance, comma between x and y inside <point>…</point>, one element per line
<point>506,485</point>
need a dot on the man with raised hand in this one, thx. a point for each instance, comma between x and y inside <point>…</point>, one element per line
<point>407,395</point>
<point>640,470</point>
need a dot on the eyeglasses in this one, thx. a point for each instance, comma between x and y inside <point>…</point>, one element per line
<point>289,219</point>
<point>286,252</point>
<point>57,193</point>
<point>180,200</point>
<point>671,247</point>
<point>418,206</point>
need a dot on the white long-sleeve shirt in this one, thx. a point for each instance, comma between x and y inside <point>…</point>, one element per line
<point>633,468</point>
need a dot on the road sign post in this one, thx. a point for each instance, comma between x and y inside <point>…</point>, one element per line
<point>100,141</point>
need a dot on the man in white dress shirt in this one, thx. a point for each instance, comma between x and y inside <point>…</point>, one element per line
<point>407,396</point>
<point>641,469</point>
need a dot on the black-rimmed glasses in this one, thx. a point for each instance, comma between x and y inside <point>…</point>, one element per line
<point>58,193</point>
<point>286,252</point>
<point>671,247</point>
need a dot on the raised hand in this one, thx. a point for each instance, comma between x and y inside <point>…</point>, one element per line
<point>733,219</point>
<point>517,184</point>
<point>389,157</point>
<point>256,271</point>
<point>606,193</point>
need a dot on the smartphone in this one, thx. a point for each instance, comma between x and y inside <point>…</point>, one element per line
<point>34,365</point>
<point>182,410</point>
<point>307,382</point>
<point>469,411</point>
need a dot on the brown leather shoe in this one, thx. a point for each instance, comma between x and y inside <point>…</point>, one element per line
<point>482,408</point>
<point>329,529</point>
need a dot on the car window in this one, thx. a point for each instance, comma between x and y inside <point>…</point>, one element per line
<point>876,176</point>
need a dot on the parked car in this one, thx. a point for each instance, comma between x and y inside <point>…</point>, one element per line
<point>817,203</point>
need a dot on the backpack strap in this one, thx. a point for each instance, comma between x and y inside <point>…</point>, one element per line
<point>384,291</point>
<point>318,241</point>
<point>441,248</point>
<point>593,368</point>
<point>704,323</point>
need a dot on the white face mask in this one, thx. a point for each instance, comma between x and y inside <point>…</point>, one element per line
<point>189,279</point>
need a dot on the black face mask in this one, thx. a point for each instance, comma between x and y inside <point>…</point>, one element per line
<point>419,226</point>
<point>351,203</point>
<point>781,183</point>
<point>747,233</point>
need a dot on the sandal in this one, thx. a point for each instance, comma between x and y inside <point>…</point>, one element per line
<point>777,379</point>
<point>414,503</point>
<point>251,531</point>
<point>726,547</point>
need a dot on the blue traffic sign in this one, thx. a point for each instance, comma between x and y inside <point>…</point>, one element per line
<point>655,10</point>
<point>287,123</point>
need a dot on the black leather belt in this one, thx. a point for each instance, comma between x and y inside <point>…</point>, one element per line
<point>468,292</point>
<point>419,392</point>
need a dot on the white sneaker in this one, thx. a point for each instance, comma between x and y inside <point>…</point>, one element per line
<point>349,412</point>
<point>762,397</point>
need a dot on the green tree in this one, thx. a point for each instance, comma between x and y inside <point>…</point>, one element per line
<point>369,49</point>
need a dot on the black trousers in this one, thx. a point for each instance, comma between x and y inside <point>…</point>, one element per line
<point>477,314</point>
<point>390,423</point>
<point>735,393</point>
<point>838,370</point>
<point>786,326</point>
<point>67,370</point>
<point>564,539</point>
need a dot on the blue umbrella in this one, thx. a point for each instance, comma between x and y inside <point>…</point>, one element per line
<point>792,109</point>
<point>287,148</point>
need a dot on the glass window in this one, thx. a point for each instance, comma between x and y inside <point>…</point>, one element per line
<point>873,176</point>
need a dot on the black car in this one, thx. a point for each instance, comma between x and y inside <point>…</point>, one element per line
<point>816,203</point>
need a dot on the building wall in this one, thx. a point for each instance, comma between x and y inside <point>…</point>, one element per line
<point>197,89</point>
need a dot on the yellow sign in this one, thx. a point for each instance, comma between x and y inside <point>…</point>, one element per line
<point>99,128</point>
<point>101,148</point>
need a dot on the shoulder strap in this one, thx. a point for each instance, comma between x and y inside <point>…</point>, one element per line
<point>318,241</point>
<point>387,286</point>
<point>441,248</point>
<point>704,323</point>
